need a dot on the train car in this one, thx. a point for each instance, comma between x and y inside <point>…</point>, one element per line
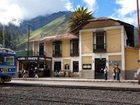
<point>7,65</point>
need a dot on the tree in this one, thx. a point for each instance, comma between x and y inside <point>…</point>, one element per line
<point>80,17</point>
<point>11,36</point>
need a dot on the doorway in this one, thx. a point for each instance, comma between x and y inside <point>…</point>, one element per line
<point>100,64</point>
<point>57,66</point>
<point>75,66</point>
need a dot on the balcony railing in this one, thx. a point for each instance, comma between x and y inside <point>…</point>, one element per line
<point>99,48</point>
<point>74,52</point>
<point>57,53</point>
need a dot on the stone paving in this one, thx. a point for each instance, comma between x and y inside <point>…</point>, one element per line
<point>13,94</point>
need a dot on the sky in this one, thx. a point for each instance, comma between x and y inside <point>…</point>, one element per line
<point>13,11</point>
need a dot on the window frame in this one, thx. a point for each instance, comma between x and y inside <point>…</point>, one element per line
<point>13,60</point>
<point>41,45</point>
<point>73,50</point>
<point>57,52</point>
<point>95,34</point>
<point>1,60</point>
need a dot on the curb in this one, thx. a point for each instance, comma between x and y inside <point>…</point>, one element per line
<point>76,80</point>
<point>78,86</point>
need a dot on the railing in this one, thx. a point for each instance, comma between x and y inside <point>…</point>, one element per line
<point>41,53</point>
<point>74,52</point>
<point>99,48</point>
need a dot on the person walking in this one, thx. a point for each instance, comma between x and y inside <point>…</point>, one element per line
<point>105,73</point>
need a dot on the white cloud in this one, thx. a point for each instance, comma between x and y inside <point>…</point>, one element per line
<point>126,11</point>
<point>91,4</point>
<point>126,6</point>
<point>27,9</point>
<point>68,5</point>
<point>8,12</point>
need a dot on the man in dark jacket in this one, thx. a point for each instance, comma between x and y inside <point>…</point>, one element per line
<point>117,72</point>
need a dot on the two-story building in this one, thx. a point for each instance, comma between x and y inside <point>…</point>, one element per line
<point>63,49</point>
<point>101,42</point>
<point>107,42</point>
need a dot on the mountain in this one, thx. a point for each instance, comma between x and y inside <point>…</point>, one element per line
<point>16,37</point>
<point>41,21</point>
<point>45,26</point>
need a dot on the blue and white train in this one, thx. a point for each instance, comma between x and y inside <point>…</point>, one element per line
<point>7,65</point>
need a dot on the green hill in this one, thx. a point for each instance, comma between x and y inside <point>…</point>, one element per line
<point>59,25</point>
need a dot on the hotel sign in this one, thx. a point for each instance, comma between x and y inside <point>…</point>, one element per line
<point>32,58</point>
<point>21,58</point>
<point>87,66</point>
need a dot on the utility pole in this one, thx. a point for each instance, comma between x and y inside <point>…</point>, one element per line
<point>138,20</point>
<point>29,28</point>
<point>3,34</point>
<point>138,17</point>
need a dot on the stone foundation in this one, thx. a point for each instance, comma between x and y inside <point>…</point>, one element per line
<point>87,74</point>
<point>130,75</point>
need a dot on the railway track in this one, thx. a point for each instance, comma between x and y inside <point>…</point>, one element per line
<point>19,94</point>
<point>66,101</point>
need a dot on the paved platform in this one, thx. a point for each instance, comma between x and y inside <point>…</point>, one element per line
<point>77,82</point>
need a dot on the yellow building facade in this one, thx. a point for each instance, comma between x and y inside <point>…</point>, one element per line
<point>101,42</point>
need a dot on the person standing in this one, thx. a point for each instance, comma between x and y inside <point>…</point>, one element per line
<point>105,73</point>
<point>118,72</point>
<point>114,73</point>
<point>24,73</point>
<point>36,72</point>
<point>138,75</point>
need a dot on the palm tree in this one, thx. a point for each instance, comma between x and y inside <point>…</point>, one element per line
<point>80,17</point>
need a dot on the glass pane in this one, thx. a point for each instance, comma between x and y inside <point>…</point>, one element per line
<point>41,49</point>
<point>0,59</point>
<point>75,66</point>
<point>9,60</point>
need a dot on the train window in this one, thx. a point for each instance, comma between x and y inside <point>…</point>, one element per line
<point>9,60</point>
<point>0,59</point>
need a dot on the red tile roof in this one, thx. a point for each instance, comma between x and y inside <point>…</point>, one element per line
<point>58,37</point>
